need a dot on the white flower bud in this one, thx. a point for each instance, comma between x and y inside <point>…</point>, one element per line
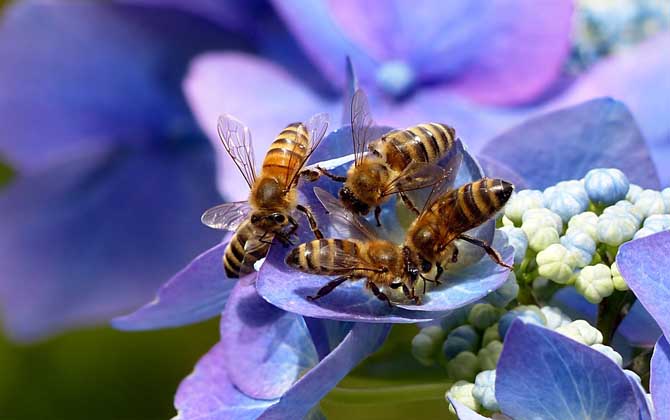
<point>586,222</point>
<point>557,263</point>
<point>582,332</point>
<point>617,280</point>
<point>594,282</point>
<point>609,352</point>
<point>522,201</point>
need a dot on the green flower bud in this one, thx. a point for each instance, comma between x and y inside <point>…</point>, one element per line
<point>426,344</point>
<point>542,238</point>
<point>557,263</point>
<point>586,222</point>
<point>617,279</point>
<point>488,356</point>
<point>491,334</point>
<point>594,282</point>
<point>462,392</point>
<point>582,332</point>
<point>483,315</point>
<point>464,366</point>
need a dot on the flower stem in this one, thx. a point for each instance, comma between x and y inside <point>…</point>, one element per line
<point>611,312</point>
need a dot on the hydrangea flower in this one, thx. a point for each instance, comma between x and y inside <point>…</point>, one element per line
<point>111,169</point>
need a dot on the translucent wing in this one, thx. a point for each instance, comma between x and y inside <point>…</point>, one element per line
<point>228,216</point>
<point>345,222</point>
<point>236,139</point>
<point>254,250</point>
<point>416,176</point>
<point>340,258</point>
<point>361,124</point>
<point>443,186</point>
<point>316,128</point>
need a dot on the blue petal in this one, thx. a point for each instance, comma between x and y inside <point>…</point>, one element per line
<point>464,412</point>
<point>196,293</point>
<point>542,374</point>
<point>639,327</point>
<point>565,144</point>
<point>660,379</point>
<point>644,264</point>
<point>266,349</point>
<point>327,334</point>
<point>362,340</point>
<point>86,241</point>
<point>640,396</point>
<point>208,393</point>
<point>68,70</point>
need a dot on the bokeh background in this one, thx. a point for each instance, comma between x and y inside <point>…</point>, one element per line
<point>96,372</point>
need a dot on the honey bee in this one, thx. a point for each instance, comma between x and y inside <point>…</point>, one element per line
<point>273,198</point>
<point>397,162</point>
<point>447,216</point>
<point>382,263</point>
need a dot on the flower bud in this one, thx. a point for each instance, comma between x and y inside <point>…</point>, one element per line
<point>555,317</point>
<point>617,280</point>
<point>542,238</point>
<point>535,219</point>
<point>650,202</point>
<point>586,222</point>
<point>522,201</point>
<point>666,197</point>
<point>490,334</point>
<point>463,367</point>
<point>527,314</point>
<point>633,192</point>
<point>625,206</point>
<point>505,293</point>
<point>463,338</point>
<point>594,282</point>
<point>461,391</point>
<point>483,315</point>
<point>615,229</point>
<point>606,186</point>
<point>582,332</point>
<point>609,352</point>
<point>488,356</point>
<point>564,203</point>
<point>581,244</point>
<point>518,239</point>
<point>426,344</point>
<point>484,390</point>
<point>557,263</point>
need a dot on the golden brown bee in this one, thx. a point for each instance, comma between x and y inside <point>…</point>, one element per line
<point>382,263</point>
<point>273,197</point>
<point>447,216</point>
<point>397,162</point>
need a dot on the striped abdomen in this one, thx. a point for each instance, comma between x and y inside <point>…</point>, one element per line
<point>324,256</point>
<point>287,152</point>
<point>421,143</point>
<point>472,204</point>
<point>238,258</point>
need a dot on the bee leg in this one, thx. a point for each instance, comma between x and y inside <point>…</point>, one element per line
<point>408,202</point>
<point>263,240</point>
<point>283,238</point>
<point>409,294</point>
<point>294,226</point>
<point>492,252</point>
<point>312,221</point>
<point>378,211</point>
<point>328,287</point>
<point>381,296</point>
<point>331,175</point>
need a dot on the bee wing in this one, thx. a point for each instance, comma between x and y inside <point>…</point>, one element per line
<point>316,128</point>
<point>341,261</point>
<point>344,221</point>
<point>227,216</point>
<point>445,184</point>
<point>236,139</point>
<point>361,124</point>
<point>254,250</point>
<point>418,175</point>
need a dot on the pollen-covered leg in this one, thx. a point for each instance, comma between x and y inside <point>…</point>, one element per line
<point>381,296</point>
<point>492,252</point>
<point>409,203</point>
<point>329,287</point>
<point>312,221</point>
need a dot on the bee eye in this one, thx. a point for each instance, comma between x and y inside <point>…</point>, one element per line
<point>426,266</point>
<point>278,218</point>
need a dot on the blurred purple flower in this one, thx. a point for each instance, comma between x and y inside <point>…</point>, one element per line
<point>112,169</point>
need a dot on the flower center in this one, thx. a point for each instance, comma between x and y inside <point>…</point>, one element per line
<point>396,78</point>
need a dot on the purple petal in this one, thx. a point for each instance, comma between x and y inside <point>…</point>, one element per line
<point>644,265</point>
<point>198,292</point>
<point>85,241</point>
<point>640,78</point>
<point>362,340</point>
<point>565,144</point>
<point>97,55</point>
<point>572,380</point>
<point>639,327</point>
<point>486,65</point>
<point>660,379</point>
<point>231,14</point>
<point>266,348</point>
<point>640,396</point>
<point>208,393</point>
<point>470,284</point>
<point>235,83</point>
<point>464,412</point>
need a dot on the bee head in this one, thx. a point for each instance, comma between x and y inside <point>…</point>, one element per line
<point>353,203</point>
<point>272,221</point>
